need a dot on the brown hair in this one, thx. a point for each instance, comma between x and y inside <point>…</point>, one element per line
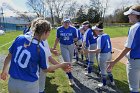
<point>34,21</point>
<point>86,23</point>
<point>39,27</point>
<point>136,8</point>
<point>100,25</point>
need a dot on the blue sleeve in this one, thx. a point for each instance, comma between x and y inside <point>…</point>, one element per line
<point>87,40</point>
<point>13,46</point>
<point>43,63</point>
<point>57,34</point>
<point>90,35</point>
<point>74,33</point>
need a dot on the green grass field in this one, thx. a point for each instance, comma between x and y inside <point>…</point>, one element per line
<point>116,31</point>
<point>57,82</point>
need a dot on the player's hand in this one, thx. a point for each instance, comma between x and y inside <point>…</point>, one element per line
<point>55,52</point>
<point>4,75</point>
<point>110,65</point>
<point>81,51</point>
<point>66,66</point>
<point>86,51</point>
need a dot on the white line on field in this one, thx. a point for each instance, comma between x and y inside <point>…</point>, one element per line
<point>6,43</point>
<point>117,49</point>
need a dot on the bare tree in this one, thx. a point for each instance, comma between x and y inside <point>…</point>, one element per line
<point>50,5</point>
<point>101,6</point>
<point>37,6</point>
<point>71,10</point>
<point>124,3</point>
<point>56,8</point>
<point>59,6</point>
<point>105,7</point>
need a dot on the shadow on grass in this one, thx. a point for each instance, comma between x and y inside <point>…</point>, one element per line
<point>49,87</point>
<point>80,88</point>
<point>122,87</point>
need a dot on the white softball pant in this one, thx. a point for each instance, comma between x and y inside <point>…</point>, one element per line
<point>42,80</point>
<point>133,74</point>
<point>102,58</point>
<point>67,52</point>
<point>20,86</point>
<point>91,56</point>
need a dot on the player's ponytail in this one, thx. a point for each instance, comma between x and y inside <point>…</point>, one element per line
<point>100,25</point>
<point>40,27</point>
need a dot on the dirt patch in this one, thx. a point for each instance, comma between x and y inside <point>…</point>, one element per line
<point>118,45</point>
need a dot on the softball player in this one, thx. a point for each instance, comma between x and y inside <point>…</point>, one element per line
<point>78,44</point>
<point>132,50</point>
<point>66,35</point>
<point>90,43</point>
<point>81,29</point>
<point>42,75</point>
<point>104,49</point>
<point>26,58</point>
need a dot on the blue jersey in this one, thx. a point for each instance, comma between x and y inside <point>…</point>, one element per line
<point>104,43</point>
<point>26,61</point>
<point>27,29</point>
<point>133,41</point>
<point>66,36</point>
<point>89,37</point>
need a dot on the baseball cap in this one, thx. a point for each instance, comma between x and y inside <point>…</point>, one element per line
<point>81,27</point>
<point>131,11</point>
<point>98,26</point>
<point>86,23</point>
<point>66,20</point>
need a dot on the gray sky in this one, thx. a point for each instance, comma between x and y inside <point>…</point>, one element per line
<point>112,5</point>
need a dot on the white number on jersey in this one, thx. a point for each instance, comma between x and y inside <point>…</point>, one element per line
<point>66,38</point>
<point>108,43</point>
<point>23,52</point>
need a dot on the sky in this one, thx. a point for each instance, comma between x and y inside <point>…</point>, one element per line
<point>21,5</point>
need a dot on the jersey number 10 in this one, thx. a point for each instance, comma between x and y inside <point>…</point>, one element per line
<point>21,55</point>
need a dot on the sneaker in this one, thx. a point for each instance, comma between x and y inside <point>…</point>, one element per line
<point>71,82</point>
<point>74,62</point>
<point>102,86</point>
<point>112,83</point>
<point>88,74</point>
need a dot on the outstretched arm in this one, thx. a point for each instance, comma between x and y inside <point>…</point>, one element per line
<point>61,65</point>
<point>56,42</point>
<point>121,55</point>
<point>53,61</point>
<point>4,73</point>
